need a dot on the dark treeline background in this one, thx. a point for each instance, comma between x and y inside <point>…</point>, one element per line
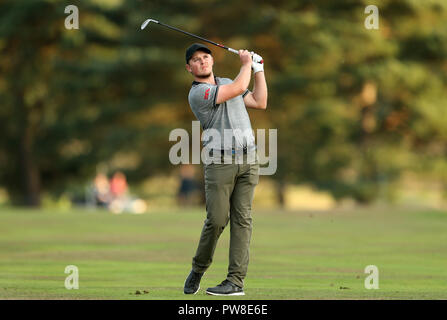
<point>354,108</point>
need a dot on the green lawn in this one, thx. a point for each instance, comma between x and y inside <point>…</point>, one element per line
<point>294,255</point>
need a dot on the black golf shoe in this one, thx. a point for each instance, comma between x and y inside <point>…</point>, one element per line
<point>226,288</point>
<point>192,283</point>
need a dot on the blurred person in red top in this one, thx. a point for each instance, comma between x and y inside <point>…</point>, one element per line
<point>118,185</point>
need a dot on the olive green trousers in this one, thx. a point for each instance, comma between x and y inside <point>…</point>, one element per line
<point>229,190</point>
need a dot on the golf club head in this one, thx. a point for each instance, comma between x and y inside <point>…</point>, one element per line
<point>145,23</point>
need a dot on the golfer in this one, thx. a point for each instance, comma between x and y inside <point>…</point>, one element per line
<point>220,106</point>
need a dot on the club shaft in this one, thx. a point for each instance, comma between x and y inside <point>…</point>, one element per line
<point>192,35</point>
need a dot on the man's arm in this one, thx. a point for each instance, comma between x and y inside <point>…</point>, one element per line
<point>240,83</point>
<point>258,98</point>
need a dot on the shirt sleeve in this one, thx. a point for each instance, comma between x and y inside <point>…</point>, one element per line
<point>204,96</point>
<point>245,93</point>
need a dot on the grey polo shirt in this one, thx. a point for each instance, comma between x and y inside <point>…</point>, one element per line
<point>230,119</point>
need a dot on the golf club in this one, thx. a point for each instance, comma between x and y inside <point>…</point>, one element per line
<point>146,22</point>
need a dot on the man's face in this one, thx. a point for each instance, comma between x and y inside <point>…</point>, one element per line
<point>200,64</point>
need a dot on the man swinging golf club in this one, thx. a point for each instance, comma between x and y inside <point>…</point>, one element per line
<point>220,105</point>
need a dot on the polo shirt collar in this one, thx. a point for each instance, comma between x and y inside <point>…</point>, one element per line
<point>198,82</point>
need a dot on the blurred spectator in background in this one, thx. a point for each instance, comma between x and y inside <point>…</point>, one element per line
<point>118,190</point>
<point>101,190</point>
<point>188,185</point>
<point>114,195</point>
<point>118,185</point>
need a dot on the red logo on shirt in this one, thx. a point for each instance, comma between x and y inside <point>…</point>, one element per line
<point>207,92</point>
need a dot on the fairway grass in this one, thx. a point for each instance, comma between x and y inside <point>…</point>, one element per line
<point>293,255</point>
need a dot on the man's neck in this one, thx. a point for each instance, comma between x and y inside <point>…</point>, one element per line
<point>210,79</point>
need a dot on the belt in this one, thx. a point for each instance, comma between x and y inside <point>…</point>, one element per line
<point>227,152</point>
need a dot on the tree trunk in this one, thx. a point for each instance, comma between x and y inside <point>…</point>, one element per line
<point>29,171</point>
<point>280,192</point>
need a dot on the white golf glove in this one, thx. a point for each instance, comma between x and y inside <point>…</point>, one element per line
<point>257,65</point>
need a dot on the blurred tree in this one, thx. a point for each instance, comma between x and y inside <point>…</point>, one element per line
<point>76,98</point>
<point>350,101</point>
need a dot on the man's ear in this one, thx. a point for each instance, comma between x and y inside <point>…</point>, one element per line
<point>188,67</point>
